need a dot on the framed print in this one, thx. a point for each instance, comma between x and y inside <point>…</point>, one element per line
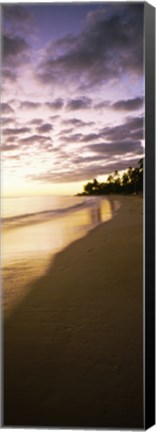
<point>78,215</point>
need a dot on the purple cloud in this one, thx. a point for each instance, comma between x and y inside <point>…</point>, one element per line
<point>8,147</point>
<point>15,50</point>
<point>117,148</point>
<point>47,127</point>
<point>128,105</point>
<point>132,128</point>
<point>9,74</point>
<point>56,104</point>
<point>38,139</point>
<point>30,105</point>
<point>108,46</point>
<point>16,131</point>
<point>36,122</point>
<point>6,108</point>
<point>17,14</point>
<point>85,171</point>
<point>78,104</point>
<point>6,120</point>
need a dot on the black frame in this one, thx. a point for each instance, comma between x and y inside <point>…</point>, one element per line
<point>149,310</point>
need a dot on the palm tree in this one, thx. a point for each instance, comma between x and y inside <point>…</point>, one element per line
<point>88,188</point>
<point>129,172</point>
<point>117,181</point>
<point>110,179</point>
<point>125,179</point>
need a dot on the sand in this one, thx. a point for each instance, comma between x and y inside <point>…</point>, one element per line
<point>73,347</point>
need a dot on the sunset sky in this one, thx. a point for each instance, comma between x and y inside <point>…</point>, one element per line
<point>72,94</point>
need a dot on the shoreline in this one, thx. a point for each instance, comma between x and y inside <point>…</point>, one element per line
<point>52,235</point>
<point>73,346</point>
<point>50,215</point>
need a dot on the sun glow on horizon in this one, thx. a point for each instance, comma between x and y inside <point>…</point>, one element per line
<point>16,188</point>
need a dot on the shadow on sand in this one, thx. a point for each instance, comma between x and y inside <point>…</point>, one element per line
<point>73,347</point>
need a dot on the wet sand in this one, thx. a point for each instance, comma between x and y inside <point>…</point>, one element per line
<point>30,246</point>
<point>73,347</point>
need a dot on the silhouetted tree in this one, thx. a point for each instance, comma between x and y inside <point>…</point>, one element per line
<point>88,188</point>
<point>125,180</point>
<point>110,178</point>
<point>131,182</point>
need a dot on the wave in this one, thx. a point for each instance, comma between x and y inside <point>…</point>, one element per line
<point>44,213</point>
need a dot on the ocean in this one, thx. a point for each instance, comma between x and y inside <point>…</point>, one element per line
<point>34,229</point>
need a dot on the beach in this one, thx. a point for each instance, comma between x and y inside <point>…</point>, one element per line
<point>73,346</point>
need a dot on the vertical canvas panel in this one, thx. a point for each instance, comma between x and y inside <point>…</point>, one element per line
<point>149,216</point>
<point>77,143</point>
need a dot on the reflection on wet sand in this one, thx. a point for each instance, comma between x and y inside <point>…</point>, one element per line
<point>28,249</point>
<point>103,210</point>
<point>95,215</point>
<point>50,236</point>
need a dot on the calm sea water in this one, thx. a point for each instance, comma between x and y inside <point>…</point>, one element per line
<point>26,206</point>
<point>34,229</point>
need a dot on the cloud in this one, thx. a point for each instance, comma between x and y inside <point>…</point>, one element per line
<point>137,134</point>
<point>17,25</point>
<point>47,127</point>
<point>100,105</point>
<point>17,131</point>
<point>55,117</point>
<point>65,42</point>
<point>78,137</point>
<point>16,14</point>
<point>78,104</point>
<point>128,105</point>
<point>36,121</point>
<point>71,138</point>
<point>87,159</point>
<point>84,173</point>
<point>73,122</point>
<point>11,139</point>
<point>65,131</point>
<point>77,122</point>
<point>135,122</point>
<point>38,139</point>
<point>30,105</point>
<point>117,148</point>
<point>8,74</point>
<point>108,46</point>
<point>56,104</point>
<point>15,50</point>
<point>16,157</point>
<point>90,137</point>
<point>8,147</point>
<point>131,129</point>
<point>6,108</point>
<point>6,120</point>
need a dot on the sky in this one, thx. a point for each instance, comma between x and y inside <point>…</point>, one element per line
<point>72,102</point>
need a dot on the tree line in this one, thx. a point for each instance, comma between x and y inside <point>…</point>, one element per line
<point>131,182</point>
